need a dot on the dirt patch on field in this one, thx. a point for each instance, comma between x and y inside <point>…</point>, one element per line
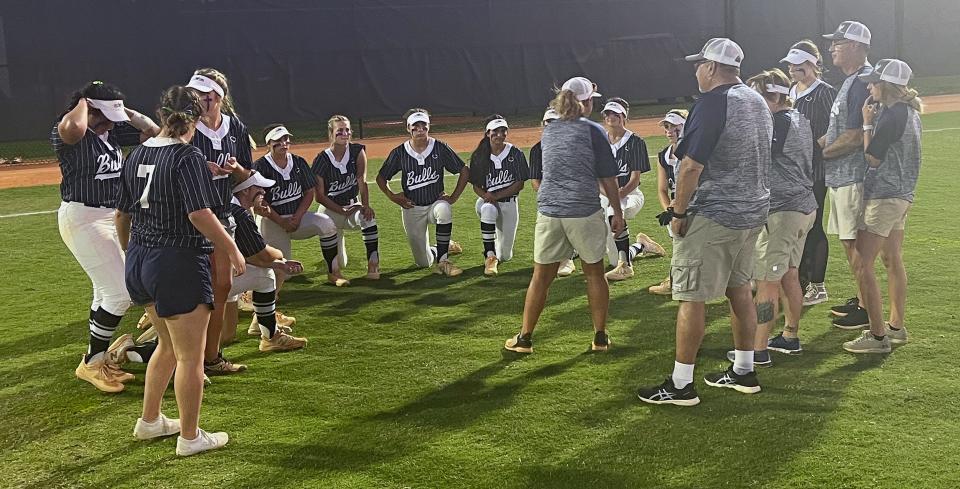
<point>41,172</point>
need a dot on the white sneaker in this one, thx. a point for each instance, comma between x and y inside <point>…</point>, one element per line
<point>203,442</point>
<point>815,294</point>
<point>566,268</point>
<point>162,426</point>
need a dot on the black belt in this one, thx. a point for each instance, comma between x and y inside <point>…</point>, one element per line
<point>85,204</point>
<point>508,199</point>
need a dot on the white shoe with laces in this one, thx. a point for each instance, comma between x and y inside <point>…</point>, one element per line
<point>162,426</point>
<point>566,268</point>
<point>203,442</point>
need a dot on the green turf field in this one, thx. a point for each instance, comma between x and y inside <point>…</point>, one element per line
<point>404,382</point>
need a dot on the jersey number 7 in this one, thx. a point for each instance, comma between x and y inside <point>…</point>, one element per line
<point>145,171</point>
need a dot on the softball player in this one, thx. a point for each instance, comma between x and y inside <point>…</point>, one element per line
<point>567,267</point>
<point>421,162</point>
<point>672,124</point>
<point>341,172</point>
<point>168,191</point>
<point>225,143</point>
<point>288,214</point>
<point>87,141</point>
<point>630,152</point>
<point>498,172</point>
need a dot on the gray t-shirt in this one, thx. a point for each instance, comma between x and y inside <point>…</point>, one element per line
<point>847,113</point>
<point>791,178</point>
<point>896,143</point>
<point>729,132</point>
<point>575,154</point>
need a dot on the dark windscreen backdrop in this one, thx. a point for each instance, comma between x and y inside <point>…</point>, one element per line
<point>303,60</point>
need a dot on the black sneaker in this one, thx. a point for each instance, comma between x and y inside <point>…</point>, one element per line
<point>600,341</point>
<point>746,383</point>
<point>856,319</point>
<point>519,343</point>
<point>666,393</point>
<point>842,310</point>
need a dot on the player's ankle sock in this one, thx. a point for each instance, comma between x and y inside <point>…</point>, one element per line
<point>682,374</point>
<point>622,242</point>
<point>575,255</point>
<point>635,250</point>
<point>265,307</point>
<point>742,361</point>
<point>102,325</point>
<point>142,353</point>
<point>329,246</point>
<point>371,240</point>
<point>488,233</point>
<point>443,240</point>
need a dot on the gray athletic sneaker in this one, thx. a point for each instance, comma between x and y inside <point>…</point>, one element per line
<point>866,343</point>
<point>897,336</point>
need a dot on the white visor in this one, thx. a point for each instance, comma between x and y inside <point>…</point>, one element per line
<point>550,115</point>
<point>418,117</point>
<point>799,57</point>
<point>674,118</point>
<point>205,85</point>
<point>615,107</point>
<point>276,133</point>
<point>255,179</point>
<point>112,109</point>
<point>777,89</point>
<point>497,123</point>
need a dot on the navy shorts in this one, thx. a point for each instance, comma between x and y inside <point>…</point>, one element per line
<point>174,280</point>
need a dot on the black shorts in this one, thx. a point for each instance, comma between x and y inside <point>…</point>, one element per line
<point>174,280</point>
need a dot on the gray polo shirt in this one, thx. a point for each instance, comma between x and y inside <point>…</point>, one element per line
<point>791,178</point>
<point>847,113</point>
<point>729,132</point>
<point>575,154</point>
<point>896,143</point>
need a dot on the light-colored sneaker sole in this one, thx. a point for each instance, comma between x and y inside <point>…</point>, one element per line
<point>814,302</point>
<point>674,402</point>
<point>785,351</point>
<point>856,326</point>
<point>739,388</point>
<point>517,349</point>
<point>274,348</point>
<point>867,350</point>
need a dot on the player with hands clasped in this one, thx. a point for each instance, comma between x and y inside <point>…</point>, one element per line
<point>498,171</point>
<point>421,162</point>
<point>672,125</point>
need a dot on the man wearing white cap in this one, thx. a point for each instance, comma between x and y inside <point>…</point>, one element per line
<point>720,206</point>
<point>844,164</point>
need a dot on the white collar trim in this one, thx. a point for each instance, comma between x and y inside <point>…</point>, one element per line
<point>623,140</point>
<point>498,159</point>
<point>420,157</point>
<point>219,133</point>
<point>339,164</point>
<point>284,172</point>
<point>158,142</point>
<point>793,90</point>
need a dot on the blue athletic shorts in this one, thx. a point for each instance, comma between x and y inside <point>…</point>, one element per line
<point>174,280</point>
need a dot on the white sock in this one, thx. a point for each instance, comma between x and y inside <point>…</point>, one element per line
<point>682,374</point>
<point>742,361</point>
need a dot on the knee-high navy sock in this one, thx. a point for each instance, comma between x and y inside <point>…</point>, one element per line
<point>443,240</point>
<point>371,240</point>
<point>488,233</point>
<point>265,307</point>
<point>142,353</point>
<point>102,326</point>
<point>330,249</point>
<point>622,242</point>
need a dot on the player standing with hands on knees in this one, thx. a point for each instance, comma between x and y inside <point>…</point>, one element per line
<point>168,193</point>
<point>421,162</point>
<point>720,207</point>
<point>87,141</point>
<point>497,172</point>
<point>577,162</point>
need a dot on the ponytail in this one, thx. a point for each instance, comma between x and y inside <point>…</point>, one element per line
<point>179,110</point>
<point>567,105</point>
<point>480,158</point>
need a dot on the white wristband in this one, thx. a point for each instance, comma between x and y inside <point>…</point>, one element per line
<point>868,127</point>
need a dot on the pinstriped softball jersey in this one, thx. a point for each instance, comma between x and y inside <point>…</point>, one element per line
<point>340,179</point>
<point>230,139</point>
<point>536,162</point>
<point>630,152</point>
<point>291,182</point>
<point>163,181</point>
<point>248,238</point>
<point>91,167</point>
<point>506,169</point>
<point>815,103</point>
<point>421,174</point>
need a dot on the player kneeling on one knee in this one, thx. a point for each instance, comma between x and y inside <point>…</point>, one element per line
<point>498,170</point>
<point>341,172</point>
<point>287,215</point>
<point>421,162</point>
<point>265,263</point>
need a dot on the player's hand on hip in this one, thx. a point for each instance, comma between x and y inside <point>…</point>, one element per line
<point>402,201</point>
<point>448,198</point>
<point>679,226</point>
<point>489,198</point>
<point>350,209</point>
<point>617,224</point>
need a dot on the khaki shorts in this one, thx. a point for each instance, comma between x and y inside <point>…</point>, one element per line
<point>780,244</point>
<point>555,238</point>
<point>846,210</point>
<point>881,216</point>
<point>711,258</point>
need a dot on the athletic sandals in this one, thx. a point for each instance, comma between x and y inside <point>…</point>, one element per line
<point>667,393</point>
<point>490,266</point>
<point>622,271</point>
<point>162,426</point>
<point>203,442</point>
<point>281,342</point>
<point>746,383</point>
<point>519,343</point>
<point>866,343</point>
<point>650,247</point>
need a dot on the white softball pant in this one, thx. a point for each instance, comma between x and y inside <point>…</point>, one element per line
<point>506,215</point>
<point>310,226</point>
<point>90,234</point>
<point>352,222</point>
<point>415,222</point>
<point>631,205</point>
<point>256,279</point>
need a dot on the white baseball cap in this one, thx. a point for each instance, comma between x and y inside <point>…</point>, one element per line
<point>112,109</point>
<point>674,118</point>
<point>255,179</point>
<point>889,70</point>
<point>550,115</point>
<point>798,57</point>
<point>418,117</point>
<point>720,50</point>
<point>276,133</point>
<point>497,123</point>
<point>852,30</point>
<point>581,87</point>
<point>204,84</point>
<point>615,107</point>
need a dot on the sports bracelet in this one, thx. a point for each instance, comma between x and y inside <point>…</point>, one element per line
<point>867,127</point>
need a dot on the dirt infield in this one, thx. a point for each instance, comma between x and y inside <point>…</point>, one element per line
<point>47,172</point>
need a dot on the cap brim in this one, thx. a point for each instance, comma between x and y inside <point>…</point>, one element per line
<point>199,87</point>
<point>793,59</point>
<point>596,94</point>
<point>693,58</point>
<point>872,77</point>
<point>255,180</point>
<point>673,119</point>
<point>115,115</point>
<point>833,36</point>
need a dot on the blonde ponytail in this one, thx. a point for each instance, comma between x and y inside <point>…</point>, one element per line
<point>567,105</point>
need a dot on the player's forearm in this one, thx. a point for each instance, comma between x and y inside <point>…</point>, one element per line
<point>210,226</point>
<point>848,142</point>
<point>631,185</point>
<point>143,123</point>
<point>609,187</point>
<point>687,181</point>
<point>364,193</point>
<point>305,202</point>
<point>480,191</point>
<point>664,197</point>
<point>266,257</point>
<point>510,191</point>
<point>328,203</point>
<point>122,222</point>
<point>461,182</point>
<point>74,124</point>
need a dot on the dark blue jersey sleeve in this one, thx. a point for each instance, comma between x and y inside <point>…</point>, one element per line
<point>887,130</point>
<point>305,176</point>
<point>451,160</point>
<point>391,166</point>
<point>781,127</point>
<point>605,164</point>
<point>522,168</point>
<point>536,162</point>
<point>248,238</point>
<point>855,98</point>
<point>703,128</point>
